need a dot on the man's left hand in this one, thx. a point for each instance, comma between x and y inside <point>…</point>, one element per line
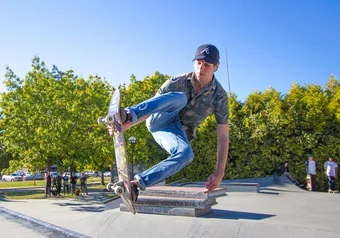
<point>213,182</point>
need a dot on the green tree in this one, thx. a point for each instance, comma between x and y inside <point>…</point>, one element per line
<point>50,118</point>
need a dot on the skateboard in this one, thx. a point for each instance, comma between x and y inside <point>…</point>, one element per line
<point>309,182</point>
<point>334,191</point>
<point>113,119</point>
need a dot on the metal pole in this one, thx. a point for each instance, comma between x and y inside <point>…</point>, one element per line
<point>133,150</point>
<point>226,55</point>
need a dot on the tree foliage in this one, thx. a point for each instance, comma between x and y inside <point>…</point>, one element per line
<point>49,117</point>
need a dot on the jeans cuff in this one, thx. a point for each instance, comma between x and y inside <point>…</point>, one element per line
<point>133,114</point>
<point>141,182</point>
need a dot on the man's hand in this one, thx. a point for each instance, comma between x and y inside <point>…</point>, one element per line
<point>213,182</point>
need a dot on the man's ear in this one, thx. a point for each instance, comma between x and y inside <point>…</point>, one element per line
<point>216,66</point>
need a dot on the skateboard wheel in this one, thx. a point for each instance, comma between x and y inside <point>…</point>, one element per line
<point>119,190</point>
<point>101,120</point>
<point>109,119</point>
<point>109,186</point>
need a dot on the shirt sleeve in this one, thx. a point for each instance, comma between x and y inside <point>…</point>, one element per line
<point>174,84</point>
<point>222,110</point>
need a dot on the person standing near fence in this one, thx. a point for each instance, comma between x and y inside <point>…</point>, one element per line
<point>66,178</point>
<point>73,182</point>
<point>48,184</point>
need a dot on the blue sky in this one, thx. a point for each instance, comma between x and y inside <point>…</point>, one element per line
<point>269,43</point>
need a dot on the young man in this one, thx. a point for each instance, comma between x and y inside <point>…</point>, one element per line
<point>48,184</point>
<point>331,170</point>
<point>283,170</point>
<point>83,183</point>
<point>311,170</point>
<point>66,178</point>
<point>173,115</point>
<point>73,182</point>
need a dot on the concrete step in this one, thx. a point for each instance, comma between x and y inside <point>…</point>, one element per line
<point>173,211</point>
<point>174,202</point>
<point>178,201</point>
<point>183,192</point>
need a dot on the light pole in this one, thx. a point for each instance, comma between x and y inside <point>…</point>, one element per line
<point>132,141</point>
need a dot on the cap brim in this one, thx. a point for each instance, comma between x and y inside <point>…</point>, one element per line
<point>202,57</point>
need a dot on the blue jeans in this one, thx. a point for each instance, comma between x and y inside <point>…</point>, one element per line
<point>166,129</point>
<point>331,182</point>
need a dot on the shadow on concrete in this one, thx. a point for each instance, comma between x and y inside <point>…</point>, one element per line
<point>89,209</point>
<point>268,192</point>
<point>3,199</point>
<point>284,189</point>
<point>235,215</point>
<point>83,207</point>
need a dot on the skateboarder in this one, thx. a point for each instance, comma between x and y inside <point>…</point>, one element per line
<point>175,112</point>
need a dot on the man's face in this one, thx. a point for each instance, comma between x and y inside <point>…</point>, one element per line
<point>330,159</point>
<point>204,71</point>
<point>310,158</point>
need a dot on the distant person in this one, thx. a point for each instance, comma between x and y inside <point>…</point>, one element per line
<point>283,170</point>
<point>331,170</point>
<point>83,183</point>
<point>66,186</point>
<point>48,184</point>
<point>73,183</point>
<point>59,178</point>
<point>311,166</point>
<point>54,185</point>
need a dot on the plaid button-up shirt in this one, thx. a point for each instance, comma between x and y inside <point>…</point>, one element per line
<point>210,99</point>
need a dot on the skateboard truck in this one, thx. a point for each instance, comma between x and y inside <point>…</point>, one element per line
<point>109,119</point>
<point>118,188</point>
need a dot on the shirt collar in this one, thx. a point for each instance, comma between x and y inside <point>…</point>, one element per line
<point>212,85</point>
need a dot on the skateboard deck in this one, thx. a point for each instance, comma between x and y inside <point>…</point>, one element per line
<point>334,191</point>
<point>113,119</point>
<point>309,182</point>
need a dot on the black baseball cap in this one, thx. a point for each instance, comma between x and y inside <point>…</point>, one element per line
<point>207,52</point>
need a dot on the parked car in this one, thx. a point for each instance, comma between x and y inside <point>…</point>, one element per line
<point>78,175</point>
<point>107,174</point>
<point>12,177</point>
<point>54,174</point>
<point>39,176</point>
<point>26,176</point>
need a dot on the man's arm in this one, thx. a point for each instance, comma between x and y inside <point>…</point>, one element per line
<point>215,179</point>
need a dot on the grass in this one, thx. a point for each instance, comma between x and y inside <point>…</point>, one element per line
<point>40,194</point>
<point>22,184</point>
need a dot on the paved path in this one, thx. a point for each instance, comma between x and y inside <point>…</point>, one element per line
<point>277,211</point>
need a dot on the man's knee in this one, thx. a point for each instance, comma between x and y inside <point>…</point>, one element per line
<point>188,154</point>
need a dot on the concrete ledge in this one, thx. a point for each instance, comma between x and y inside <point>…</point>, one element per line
<point>45,228</point>
<point>174,202</point>
<point>183,192</point>
<point>173,211</point>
